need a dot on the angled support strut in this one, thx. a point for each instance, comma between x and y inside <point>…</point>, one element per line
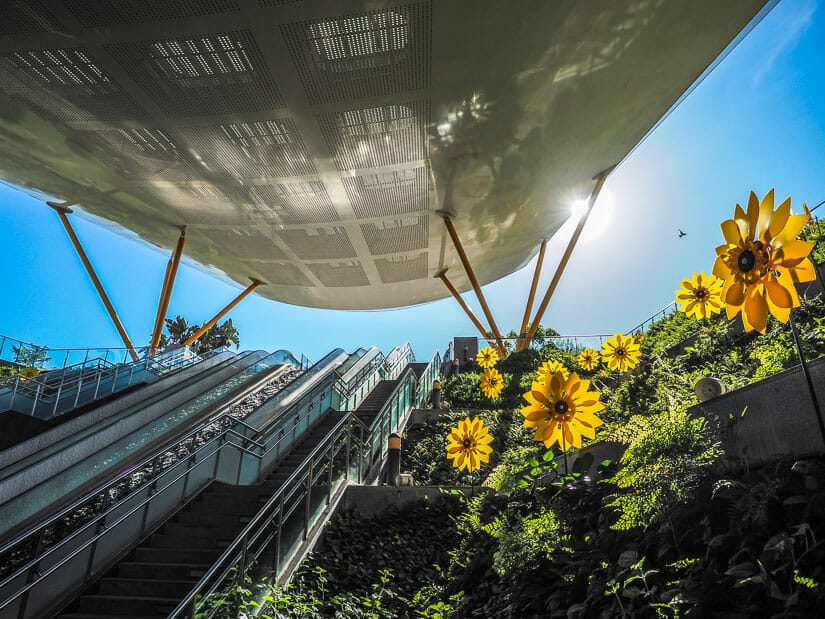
<point>468,268</point>
<point>442,275</point>
<point>529,307</point>
<point>166,290</point>
<point>255,283</point>
<point>551,287</point>
<point>62,209</point>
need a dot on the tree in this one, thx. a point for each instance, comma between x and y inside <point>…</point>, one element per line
<point>217,336</point>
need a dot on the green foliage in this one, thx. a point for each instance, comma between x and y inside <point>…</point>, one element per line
<point>217,336</point>
<point>668,458</point>
<point>390,564</point>
<point>28,361</point>
<point>524,540</point>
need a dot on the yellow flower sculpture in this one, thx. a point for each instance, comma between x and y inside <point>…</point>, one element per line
<point>810,222</point>
<point>492,382</point>
<point>548,368</point>
<point>700,296</point>
<point>621,352</point>
<point>487,357</point>
<point>589,359</point>
<point>562,411</point>
<point>468,444</point>
<point>761,260</point>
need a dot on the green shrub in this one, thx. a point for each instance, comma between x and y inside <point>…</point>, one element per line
<point>668,458</point>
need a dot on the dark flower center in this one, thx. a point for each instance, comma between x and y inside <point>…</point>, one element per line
<point>700,294</point>
<point>746,261</point>
<point>467,443</point>
<point>620,352</point>
<point>560,407</point>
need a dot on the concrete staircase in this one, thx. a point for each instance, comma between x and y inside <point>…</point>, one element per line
<point>371,405</point>
<point>152,579</point>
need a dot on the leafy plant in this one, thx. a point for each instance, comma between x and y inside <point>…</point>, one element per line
<point>668,457</point>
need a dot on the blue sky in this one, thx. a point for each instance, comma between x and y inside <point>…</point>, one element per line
<point>756,122</point>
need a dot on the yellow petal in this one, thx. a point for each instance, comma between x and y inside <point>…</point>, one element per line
<point>779,218</point>
<point>752,215</point>
<point>792,253</point>
<point>736,294</point>
<point>731,232</point>
<point>791,230</point>
<point>756,310</point>
<point>765,214</point>
<point>779,296</point>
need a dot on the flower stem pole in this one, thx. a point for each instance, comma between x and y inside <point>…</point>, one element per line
<point>806,371</point>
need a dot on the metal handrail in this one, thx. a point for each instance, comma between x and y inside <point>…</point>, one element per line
<point>7,343</point>
<point>205,427</point>
<point>45,387</point>
<point>667,309</point>
<point>235,547</point>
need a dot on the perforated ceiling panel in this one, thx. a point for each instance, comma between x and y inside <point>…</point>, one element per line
<point>339,274</point>
<point>390,236</point>
<point>319,243</point>
<point>402,268</point>
<point>377,136</point>
<point>302,202</point>
<point>93,13</point>
<point>201,75</point>
<point>74,75</point>
<point>278,273</point>
<point>25,17</point>
<point>246,244</point>
<point>363,55</point>
<point>381,194</point>
<point>261,149</point>
<point>310,143</point>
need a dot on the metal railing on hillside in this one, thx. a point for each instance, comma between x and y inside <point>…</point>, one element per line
<point>53,392</point>
<point>137,498</point>
<point>80,542</point>
<point>26,354</point>
<point>350,451</point>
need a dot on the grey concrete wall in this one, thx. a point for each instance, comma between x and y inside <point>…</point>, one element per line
<point>780,418</point>
<point>368,500</point>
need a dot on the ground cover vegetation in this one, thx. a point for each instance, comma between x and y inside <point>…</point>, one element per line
<point>672,526</point>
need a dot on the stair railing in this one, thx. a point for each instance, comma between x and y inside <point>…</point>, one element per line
<point>174,474</point>
<point>325,470</point>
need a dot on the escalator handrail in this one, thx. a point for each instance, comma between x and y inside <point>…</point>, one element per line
<point>256,521</point>
<point>257,433</point>
<point>219,405</point>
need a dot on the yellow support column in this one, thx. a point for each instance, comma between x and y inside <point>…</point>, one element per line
<point>255,283</point>
<point>166,290</point>
<point>529,307</point>
<point>551,287</point>
<point>465,262</point>
<point>62,209</point>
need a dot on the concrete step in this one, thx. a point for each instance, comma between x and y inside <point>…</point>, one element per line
<point>158,587</point>
<point>116,606</point>
<point>171,571</point>
<point>159,540</point>
<point>224,531</point>
<point>197,556</point>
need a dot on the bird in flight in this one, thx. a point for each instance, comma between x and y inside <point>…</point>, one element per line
<point>681,234</point>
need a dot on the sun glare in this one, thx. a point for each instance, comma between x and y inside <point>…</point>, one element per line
<point>599,219</point>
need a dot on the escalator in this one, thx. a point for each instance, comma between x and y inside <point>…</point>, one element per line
<point>257,434</point>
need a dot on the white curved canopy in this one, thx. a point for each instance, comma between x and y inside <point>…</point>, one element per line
<point>309,143</point>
